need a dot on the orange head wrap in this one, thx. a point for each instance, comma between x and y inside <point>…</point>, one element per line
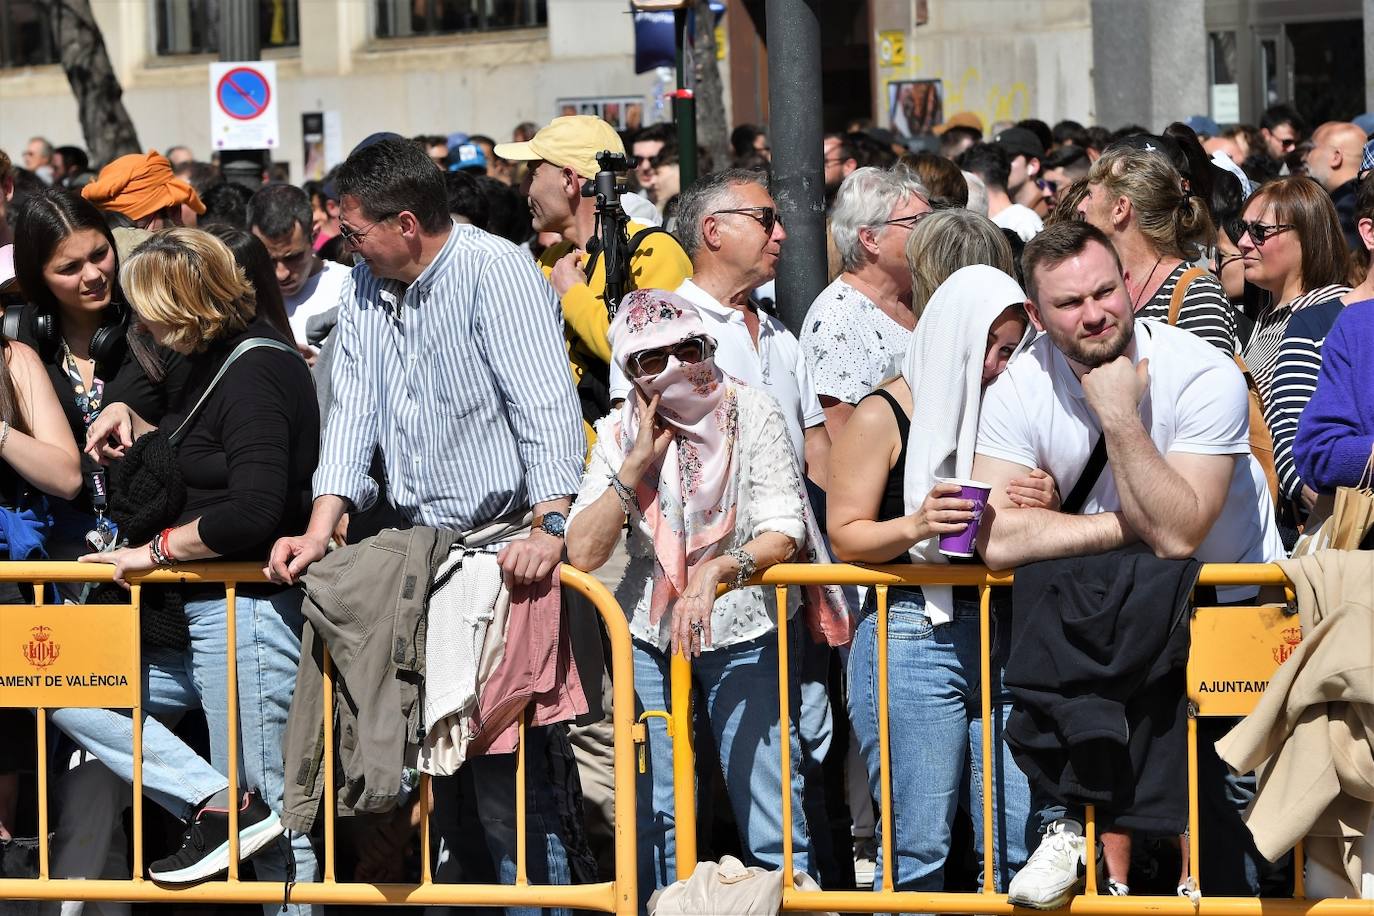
<point>138,185</point>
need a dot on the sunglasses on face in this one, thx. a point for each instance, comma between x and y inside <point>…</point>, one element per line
<point>1262,232</point>
<point>767,217</point>
<point>1223,261</point>
<point>652,362</point>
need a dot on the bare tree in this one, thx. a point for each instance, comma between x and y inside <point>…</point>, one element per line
<point>712,131</point>
<point>105,122</point>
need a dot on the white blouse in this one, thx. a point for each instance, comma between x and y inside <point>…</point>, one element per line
<point>770,499</point>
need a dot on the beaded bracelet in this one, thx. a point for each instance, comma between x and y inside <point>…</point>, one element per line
<point>4,433</point>
<point>629,500</point>
<point>161,549</point>
<point>747,565</point>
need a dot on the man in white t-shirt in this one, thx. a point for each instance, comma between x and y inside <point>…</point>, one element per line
<point>856,332</point>
<point>1179,478</point>
<point>728,226</point>
<point>281,216</point>
<point>991,163</point>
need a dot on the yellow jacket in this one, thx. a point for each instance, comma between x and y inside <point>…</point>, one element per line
<point>658,262</point>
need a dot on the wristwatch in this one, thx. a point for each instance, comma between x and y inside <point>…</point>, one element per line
<point>554,523</point>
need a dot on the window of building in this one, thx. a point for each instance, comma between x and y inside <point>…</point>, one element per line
<point>400,18</point>
<point>25,34</point>
<point>192,26</point>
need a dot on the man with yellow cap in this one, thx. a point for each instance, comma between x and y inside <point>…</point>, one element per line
<point>143,188</point>
<point>562,158</point>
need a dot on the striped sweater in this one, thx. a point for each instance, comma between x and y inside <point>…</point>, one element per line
<point>1292,383</point>
<point>1205,310</point>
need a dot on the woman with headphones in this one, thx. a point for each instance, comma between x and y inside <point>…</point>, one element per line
<point>68,268</point>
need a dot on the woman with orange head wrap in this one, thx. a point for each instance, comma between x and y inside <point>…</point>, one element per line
<point>143,188</point>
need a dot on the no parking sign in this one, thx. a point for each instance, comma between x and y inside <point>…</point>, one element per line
<point>243,105</point>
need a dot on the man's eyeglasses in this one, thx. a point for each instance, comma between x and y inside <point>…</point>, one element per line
<point>767,216</point>
<point>1261,232</point>
<point>652,362</point>
<point>1222,261</point>
<point>354,237</point>
<point>907,222</point>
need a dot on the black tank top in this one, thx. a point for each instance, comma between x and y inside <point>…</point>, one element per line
<point>893,504</point>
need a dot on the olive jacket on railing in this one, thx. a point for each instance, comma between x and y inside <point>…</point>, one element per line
<point>366,602</point>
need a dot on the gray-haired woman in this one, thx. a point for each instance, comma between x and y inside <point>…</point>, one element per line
<point>857,330</point>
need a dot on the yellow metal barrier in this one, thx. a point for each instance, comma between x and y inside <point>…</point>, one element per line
<point>1235,650</point>
<point>104,640</point>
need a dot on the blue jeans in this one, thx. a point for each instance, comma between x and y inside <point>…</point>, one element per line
<point>175,777</point>
<point>740,684</point>
<point>936,735</point>
<point>483,791</point>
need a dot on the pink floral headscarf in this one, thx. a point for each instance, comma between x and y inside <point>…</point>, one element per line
<point>689,500</point>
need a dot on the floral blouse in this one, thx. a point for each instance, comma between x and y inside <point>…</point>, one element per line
<point>770,499</point>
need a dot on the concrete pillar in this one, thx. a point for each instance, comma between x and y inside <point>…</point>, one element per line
<point>1369,55</point>
<point>330,34</point>
<point>1150,61</point>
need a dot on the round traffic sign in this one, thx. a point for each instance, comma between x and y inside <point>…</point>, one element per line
<point>243,93</point>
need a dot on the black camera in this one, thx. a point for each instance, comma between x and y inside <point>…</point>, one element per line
<point>606,187</point>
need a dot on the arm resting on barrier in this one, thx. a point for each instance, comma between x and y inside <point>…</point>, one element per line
<point>292,556</point>
<point>1010,536</point>
<point>184,544</point>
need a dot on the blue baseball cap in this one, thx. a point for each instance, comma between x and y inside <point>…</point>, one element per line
<point>467,157</point>
<point>1203,126</point>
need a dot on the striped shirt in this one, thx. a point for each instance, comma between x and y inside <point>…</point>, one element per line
<point>1294,381</point>
<point>1205,309</point>
<point>461,379</point>
<point>1263,348</point>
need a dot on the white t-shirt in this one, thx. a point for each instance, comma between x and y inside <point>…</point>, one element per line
<point>777,366</point>
<point>1020,219</point>
<point>319,294</point>
<point>851,345</point>
<point>1037,415</point>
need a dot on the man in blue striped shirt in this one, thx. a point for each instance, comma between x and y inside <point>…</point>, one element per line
<point>450,361</point>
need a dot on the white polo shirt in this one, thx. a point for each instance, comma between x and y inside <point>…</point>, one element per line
<point>778,366</point>
<point>1037,415</point>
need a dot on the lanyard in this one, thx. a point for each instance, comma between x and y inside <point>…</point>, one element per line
<point>88,402</point>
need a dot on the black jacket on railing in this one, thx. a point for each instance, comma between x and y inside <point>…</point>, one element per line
<point>1099,654</point>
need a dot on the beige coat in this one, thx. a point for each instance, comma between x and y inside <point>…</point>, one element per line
<point>1311,737</point>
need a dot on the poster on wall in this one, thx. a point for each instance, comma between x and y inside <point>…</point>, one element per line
<point>322,139</point>
<point>914,107</point>
<point>623,112</point>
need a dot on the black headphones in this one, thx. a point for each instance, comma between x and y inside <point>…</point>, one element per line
<point>108,343</point>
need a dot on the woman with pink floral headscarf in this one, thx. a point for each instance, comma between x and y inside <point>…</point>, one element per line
<point>702,468</point>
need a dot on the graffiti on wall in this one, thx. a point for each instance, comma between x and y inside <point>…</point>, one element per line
<point>969,90</point>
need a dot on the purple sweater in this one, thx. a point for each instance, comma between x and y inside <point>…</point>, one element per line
<point>1336,432</point>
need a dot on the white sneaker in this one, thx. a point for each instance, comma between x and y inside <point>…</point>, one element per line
<point>865,861</point>
<point>1053,873</point>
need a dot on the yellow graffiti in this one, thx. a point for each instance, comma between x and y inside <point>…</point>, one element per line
<point>992,102</point>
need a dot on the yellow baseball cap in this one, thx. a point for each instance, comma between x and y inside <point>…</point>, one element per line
<point>571,142</point>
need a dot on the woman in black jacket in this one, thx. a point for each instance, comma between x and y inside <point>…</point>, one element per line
<point>232,477</point>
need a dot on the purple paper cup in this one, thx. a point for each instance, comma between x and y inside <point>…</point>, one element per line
<point>962,544</point>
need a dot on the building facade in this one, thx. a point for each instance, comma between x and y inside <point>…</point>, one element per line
<point>411,66</point>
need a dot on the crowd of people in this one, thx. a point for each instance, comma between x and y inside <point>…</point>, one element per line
<point>407,393</point>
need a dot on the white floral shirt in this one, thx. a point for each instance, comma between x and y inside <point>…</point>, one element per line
<point>769,500</point>
<point>851,345</point>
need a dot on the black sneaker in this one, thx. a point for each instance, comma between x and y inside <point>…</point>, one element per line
<point>204,849</point>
